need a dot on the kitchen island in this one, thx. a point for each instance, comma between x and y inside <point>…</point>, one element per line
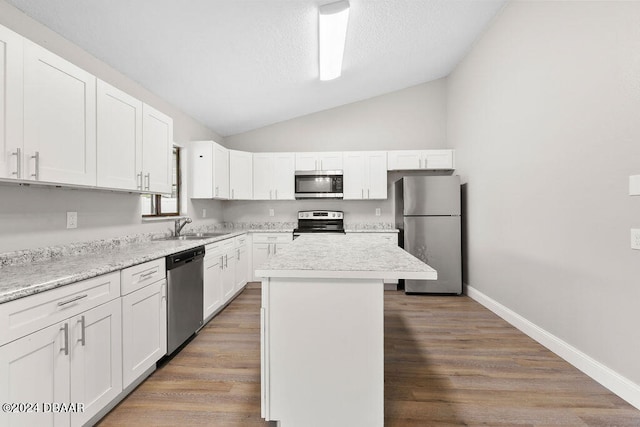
<point>322,331</point>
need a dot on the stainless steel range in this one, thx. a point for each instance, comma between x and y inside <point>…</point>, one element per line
<point>319,222</point>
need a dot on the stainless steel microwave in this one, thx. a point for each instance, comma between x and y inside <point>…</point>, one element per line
<point>318,184</point>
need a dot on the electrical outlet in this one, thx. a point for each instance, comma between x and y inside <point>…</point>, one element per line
<point>72,219</point>
<point>377,211</point>
<point>204,213</point>
<point>635,238</point>
<point>634,185</point>
<point>271,212</point>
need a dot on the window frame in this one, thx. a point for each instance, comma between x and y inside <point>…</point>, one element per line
<point>156,199</point>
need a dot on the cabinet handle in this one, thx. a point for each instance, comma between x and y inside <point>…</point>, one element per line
<point>82,335</point>
<point>232,194</point>
<point>18,154</point>
<point>238,253</point>
<point>148,178</point>
<point>74,299</point>
<point>145,275</point>
<point>268,249</point>
<point>36,158</point>
<point>368,196</point>
<point>216,191</point>
<point>275,249</point>
<point>65,328</point>
<point>139,181</point>
<point>221,262</point>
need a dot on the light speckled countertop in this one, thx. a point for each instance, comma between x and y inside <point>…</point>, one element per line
<point>27,272</point>
<point>349,255</point>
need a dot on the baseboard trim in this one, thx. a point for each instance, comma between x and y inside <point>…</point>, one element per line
<point>621,386</point>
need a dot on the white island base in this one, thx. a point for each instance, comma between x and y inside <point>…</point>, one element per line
<point>322,337</point>
<point>323,352</point>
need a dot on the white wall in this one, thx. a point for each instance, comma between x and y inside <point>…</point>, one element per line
<point>544,114</point>
<point>33,217</point>
<point>412,118</point>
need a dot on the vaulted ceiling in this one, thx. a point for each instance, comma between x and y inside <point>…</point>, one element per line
<point>237,65</point>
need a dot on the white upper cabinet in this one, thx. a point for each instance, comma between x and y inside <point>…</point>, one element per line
<point>240,175</point>
<point>421,159</point>
<point>11,141</point>
<point>319,161</point>
<point>273,176</point>
<point>59,119</point>
<point>365,175</point>
<point>209,170</point>
<point>119,139</point>
<point>157,150</point>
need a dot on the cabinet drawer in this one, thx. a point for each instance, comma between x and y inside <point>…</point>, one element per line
<point>26,315</point>
<point>240,241</point>
<point>272,237</point>
<point>222,245</point>
<point>141,275</point>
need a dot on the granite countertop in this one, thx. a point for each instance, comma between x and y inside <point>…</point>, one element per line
<point>344,256</point>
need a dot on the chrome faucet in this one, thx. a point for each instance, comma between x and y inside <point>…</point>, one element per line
<point>179,225</point>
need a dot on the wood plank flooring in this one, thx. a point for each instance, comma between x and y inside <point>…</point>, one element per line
<point>448,362</point>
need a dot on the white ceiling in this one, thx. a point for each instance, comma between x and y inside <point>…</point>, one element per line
<point>237,65</point>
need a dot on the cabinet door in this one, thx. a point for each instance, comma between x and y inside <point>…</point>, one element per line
<point>438,159</point>
<point>213,265</point>
<point>157,150</point>
<point>59,119</point>
<point>201,170</point>
<point>405,160</point>
<point>306,162</point>
<point>240,175</point>
<point>263,175</point>
<point>11,86</point>
<point>228,275</point>
<point>35,368</point>
<point>241,267</point>
<point>330,161</point>
<point>96,359</point>
<point>354,171</point>
<point>144,330</point>
<point>119,151</point>
<point>260,252</point>
<point>220,172</point>
<point>284,167</point>
<point>376,175</point>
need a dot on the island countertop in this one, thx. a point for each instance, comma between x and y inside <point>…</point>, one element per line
<point>344,256</point>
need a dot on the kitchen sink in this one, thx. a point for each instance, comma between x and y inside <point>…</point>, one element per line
<point>192,236</point>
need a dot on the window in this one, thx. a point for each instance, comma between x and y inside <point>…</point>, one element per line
<point>154,205</point>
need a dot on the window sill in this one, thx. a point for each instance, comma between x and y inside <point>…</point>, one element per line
<point>163,218</point>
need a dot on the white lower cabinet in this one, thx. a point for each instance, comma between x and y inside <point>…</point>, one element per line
<point>265,245</point>
<point>76,358</point>
<point>213,265</point>
<point>144,330</point>
<point>242,263</point>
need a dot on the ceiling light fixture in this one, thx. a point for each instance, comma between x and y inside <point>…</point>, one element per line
<point>332,32</point>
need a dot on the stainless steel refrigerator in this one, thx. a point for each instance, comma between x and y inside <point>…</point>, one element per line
<point>427,213</point>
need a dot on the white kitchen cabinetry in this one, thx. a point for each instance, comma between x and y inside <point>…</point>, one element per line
<point>11,110</point>
<point>273,176</point>
<point>119,139</point>
<point>420,159</point>
<point>365,175</point>
<point>63,345</point>
<point>242,263</point>
<point>144,318</point>
<point>266,245</point>
<point>157,151</point>
<point>240,175</point>
<point>219,275</point>
<point>319,161</point>
<point>59,119</point>
<point>209,170</point>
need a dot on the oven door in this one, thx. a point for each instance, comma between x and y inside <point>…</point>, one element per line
<point>318,184</point>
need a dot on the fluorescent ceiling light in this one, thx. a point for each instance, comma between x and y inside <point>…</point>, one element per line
<point>332,24</point>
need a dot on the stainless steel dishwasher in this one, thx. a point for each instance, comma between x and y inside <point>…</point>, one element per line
<point>184,296</point>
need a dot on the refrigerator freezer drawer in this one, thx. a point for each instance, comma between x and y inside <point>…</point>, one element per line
<point>436,241</point>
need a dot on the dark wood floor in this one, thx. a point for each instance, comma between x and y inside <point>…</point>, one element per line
<point>448,362</point>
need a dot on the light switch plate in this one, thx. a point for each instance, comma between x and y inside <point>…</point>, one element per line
<point>204,213</point>
<point>377,211</point>
<point>271,212</point>
<point>72,219</point>
<point>634,185</point>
